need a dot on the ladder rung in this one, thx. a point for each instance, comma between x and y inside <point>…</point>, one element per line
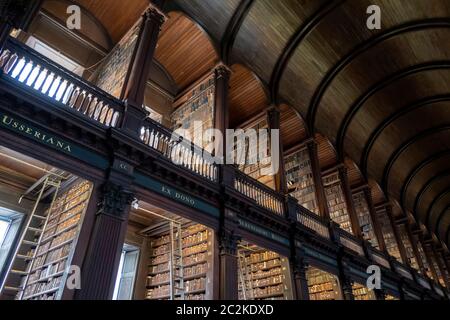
<point>20,272</point>
<point>31,243</point>
<point>34,229</point>
<point>39,217</point>
<point>7,288</point>
<point>24,257</point>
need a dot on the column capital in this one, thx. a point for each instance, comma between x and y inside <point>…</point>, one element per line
<point>228,242</point>
<point>155,14</point>
<point>221,70</point>
<point>114,200</point>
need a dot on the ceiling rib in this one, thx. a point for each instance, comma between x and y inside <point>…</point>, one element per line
<point>425,187</point>
<point>404,146</point>
<point>363,47</point>
<point>351,113</point>
<point>389,120</point>
<point>233,28</point>
<point>293,43</point>
<point>416,171</point>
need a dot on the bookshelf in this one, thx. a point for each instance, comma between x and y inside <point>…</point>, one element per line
<point>336,202</point>
<point>322,285</point>
<point>364,219</point>
<point>262,275</point>
<point>299,177</point>
<point>361,292</point>
<point>390,297</point>
<point>196,274</point>
<point>388,234</point>
<point>48,269</point>
<point>412,261</point>
<point>194,111</point>
<point>424,260</point>
<point>253,166</point>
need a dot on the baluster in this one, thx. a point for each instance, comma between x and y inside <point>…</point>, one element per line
<point>11,65</point>
<point>62,86</point>
<point>115,119</point>
<point>98,109</point>
<point>26,73</point>
<point>42,78</point>
<point>91,109</point>
<point>48,83</point>
<point>55,87</point>
<point>87,101</point>
<point>4,58</point>
<point>152,138</point>
<point>109,116</point>
<point>17,69</point>
<point>103,114</point>
<point>33,76</point>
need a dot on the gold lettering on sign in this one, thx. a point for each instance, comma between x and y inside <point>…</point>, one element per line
<point>12,123</point>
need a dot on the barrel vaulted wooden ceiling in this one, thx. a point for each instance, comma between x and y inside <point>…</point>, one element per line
<point>381,97</point>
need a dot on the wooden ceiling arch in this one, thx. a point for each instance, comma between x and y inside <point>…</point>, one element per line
<point>306,51</point>
<point>442,157</point>
<point>378,87</point>
<point>428,185</point>
<point>426,102</point>
<point>248,96</point>
<point>185,50</point>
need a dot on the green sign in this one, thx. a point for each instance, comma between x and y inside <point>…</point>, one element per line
<point>320,256</point>
<point>263,232</point>
<point>175,194</point>
<point>55,142</point>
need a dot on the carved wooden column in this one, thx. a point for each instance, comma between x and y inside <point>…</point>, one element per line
<point>228,263</point>
<point>100,266</point>
<point>342,170</point>
<point>221,104</point>
<point>317,178</point>
<point>139,68</point>
<point>344,280</point>
<point>273,120</point>
<point>16,14</point>
<point>299,267</point>
<point>374,218</point>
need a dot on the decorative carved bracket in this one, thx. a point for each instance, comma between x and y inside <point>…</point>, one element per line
<point>115,200</point>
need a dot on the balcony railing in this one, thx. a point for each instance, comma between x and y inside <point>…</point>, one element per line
<point>259,192</point>
<point>350,242</point>
<point>380,258</point>
<point>26,68</point>
<point>179,151</point>
<point>312,221</point>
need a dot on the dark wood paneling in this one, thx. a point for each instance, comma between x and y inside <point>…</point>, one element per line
<point>184,50</point>
<point>247,96</point>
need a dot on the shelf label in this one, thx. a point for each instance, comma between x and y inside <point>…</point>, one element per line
<point>23,128</point>
<point>262,231</point>
<point>175,194</point>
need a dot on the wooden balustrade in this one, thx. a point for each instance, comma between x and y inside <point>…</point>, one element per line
<point>178,150</point>
<point>350,242</point>
<point>313,222</point>
<point>260,193</point>
<point>25,67</point>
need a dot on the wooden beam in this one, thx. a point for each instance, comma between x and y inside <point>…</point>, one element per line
<point>377,88</point>
<point>295,40</point>
<point>362,48</point>
<point>416,171</point>
<point>396,154</point>
<point>233,28</point>
<point>392,118</point>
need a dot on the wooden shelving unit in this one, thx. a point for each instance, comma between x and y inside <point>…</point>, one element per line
<point>361,292</point>
<point>196,105</point>
<point>388,234</point>
<point>48,269</point>
<point>408,247</point>
<point>300,180</point>
<point>197,255</point>
<point>262,275</point>
<point>364,219</point>
<point>322,285</point>
<point>336,202</point>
